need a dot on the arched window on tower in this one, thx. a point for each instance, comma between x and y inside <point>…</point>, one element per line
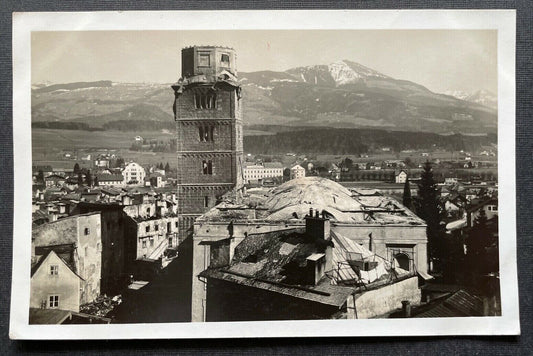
<point>206,133</point>
<point>205,100</point>
<point>207,167</point>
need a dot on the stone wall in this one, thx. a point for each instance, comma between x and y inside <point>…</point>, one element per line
<point>388,298</point>
<point>89,255</point>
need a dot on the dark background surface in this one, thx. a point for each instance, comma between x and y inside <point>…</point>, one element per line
<point>327,346</point>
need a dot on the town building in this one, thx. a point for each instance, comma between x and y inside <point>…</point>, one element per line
<point>258,172</point>
<point>54,284</point>
<point>110,180</point>
<point>400,177</point>
<point>303,273</point>
<point>379,222</point>
<point>490,206</point>
<point>208,112</point>
<point>54,180</point>
<point>77,240</point>
<point>297,172</point>
<point>133,174</point>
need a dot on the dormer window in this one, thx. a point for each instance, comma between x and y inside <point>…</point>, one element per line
<point>224,60</point>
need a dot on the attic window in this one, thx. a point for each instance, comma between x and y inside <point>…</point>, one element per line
<point>86,231</point>
<point>224,59</point>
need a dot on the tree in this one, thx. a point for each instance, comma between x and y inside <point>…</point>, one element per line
<point>347,164</point>
<point>80,179</point>
<point>167,167</point>
<point>430,211</point>
<point>478,241</point>
<point>119,162</point>
<point>40,177</point>
<point>88,179</point>
<point>407,200</point>
<point>76,168</point>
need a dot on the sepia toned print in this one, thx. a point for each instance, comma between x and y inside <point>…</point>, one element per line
<point>214,176</point>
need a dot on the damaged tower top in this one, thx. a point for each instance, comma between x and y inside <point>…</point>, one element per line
<point>209,61</point>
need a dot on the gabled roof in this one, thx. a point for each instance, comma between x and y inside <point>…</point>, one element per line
<point>48,255</point>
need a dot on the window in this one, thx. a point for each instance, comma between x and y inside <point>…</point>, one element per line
<point>151,242</point>
<point>206,202</point>
<point>224,59</point>
<point>53,301</point>
<point>176,224</point>
<point>169,227</point>
<point>143,243</point>
<point>203,60</point>
<point>54,270</point>
<point>86,250</point>
<point>87,231</point>
<point>206,133</point>
<point>156,227</point>
<point>170,241</point>
<point>147,228</point>
<point>205,101</point>
<point>207,167</point>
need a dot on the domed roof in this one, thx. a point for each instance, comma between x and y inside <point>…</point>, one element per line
<point>296,196</point>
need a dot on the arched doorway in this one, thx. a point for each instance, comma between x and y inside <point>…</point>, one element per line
<point>403,261</point>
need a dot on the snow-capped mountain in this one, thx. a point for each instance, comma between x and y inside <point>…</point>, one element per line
<point>342,94</point>
<point>483,97</point>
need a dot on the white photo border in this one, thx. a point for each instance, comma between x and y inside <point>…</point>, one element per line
<point>504,21</point>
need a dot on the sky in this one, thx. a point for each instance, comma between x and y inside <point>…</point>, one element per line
<point>441,60</point>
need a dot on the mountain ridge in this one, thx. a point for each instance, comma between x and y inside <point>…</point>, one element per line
<point>341,94</point>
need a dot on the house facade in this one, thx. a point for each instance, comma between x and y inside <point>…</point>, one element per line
<point>77,240</point>
<point>297,172</point>
<point>54,284</point>
<point>258,172</point>
<point>400,177</point>
<point>133,174</point>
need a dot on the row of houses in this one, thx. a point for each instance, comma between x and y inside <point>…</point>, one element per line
<point>82,250</point>
<point>132,174</point>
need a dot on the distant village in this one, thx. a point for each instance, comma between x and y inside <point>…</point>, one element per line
<point>216,233</point>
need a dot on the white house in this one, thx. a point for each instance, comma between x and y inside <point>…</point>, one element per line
<point>133,173</point>
<point>54,285</point>
<point>400,177</point>
<point>256,172</point>
<point>297,172</point>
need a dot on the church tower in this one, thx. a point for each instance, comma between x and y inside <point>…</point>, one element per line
<point>208,114</point>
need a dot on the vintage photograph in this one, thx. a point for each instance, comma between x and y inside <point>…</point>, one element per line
<point>226,175</point>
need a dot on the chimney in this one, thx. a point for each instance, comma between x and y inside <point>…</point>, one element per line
<point>406,308</point>
<point>316,267</point>
<point>317,227</point>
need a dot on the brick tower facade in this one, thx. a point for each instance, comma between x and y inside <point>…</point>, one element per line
<point>207,110</point>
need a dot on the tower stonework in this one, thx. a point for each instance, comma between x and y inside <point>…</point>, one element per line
<point>208,114</point>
